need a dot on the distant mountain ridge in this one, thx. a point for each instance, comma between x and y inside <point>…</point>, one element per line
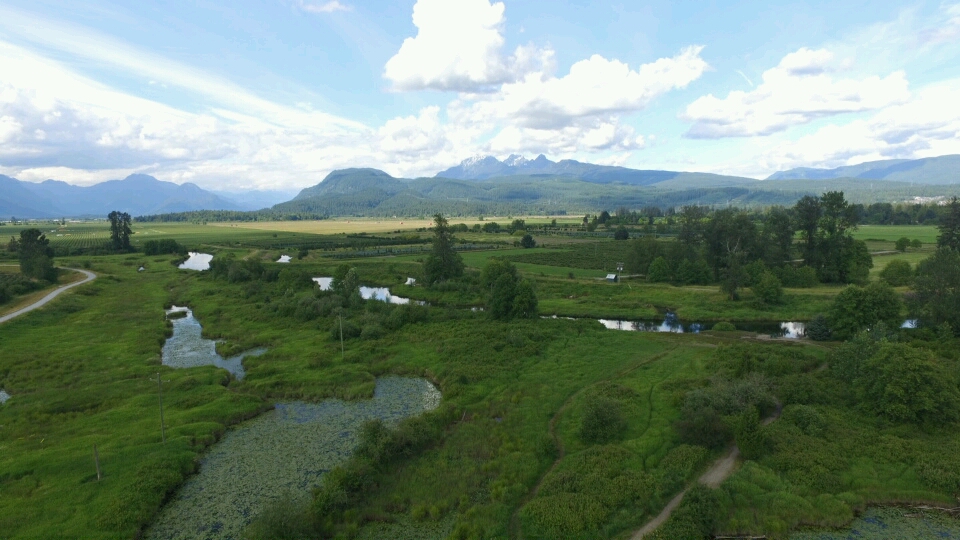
<point>137,194</point>
<point>939,170</point>
<point>486,167</point>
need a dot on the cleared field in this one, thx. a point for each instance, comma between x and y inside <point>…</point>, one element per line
<point>358,225</point>
<point>891,233</point>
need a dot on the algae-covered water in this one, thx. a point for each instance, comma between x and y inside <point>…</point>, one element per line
<point>284,451</point>
<point>186,348</point>
<point>892,523</point>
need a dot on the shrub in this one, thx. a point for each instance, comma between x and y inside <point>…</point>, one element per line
<point>902,243</point>
<point>905,384</point>
<point>724,327</point>
<point>621,233</point>
<point>857,308</point>
<point>527,242</point>
<point>897,273</point>
<point>768,289</point>
<point>603,421</point>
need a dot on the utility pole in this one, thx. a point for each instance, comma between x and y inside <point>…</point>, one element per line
<point>619,269</point>
<point>340,316</point>
<point>163,432</point>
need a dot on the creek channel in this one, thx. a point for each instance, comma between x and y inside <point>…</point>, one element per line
<point>282,453</point>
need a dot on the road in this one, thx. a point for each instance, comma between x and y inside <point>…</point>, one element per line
<point>89,276</point>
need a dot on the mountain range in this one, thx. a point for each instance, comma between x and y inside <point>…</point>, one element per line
<point>487,185</point>
<point>934,171</point>
<point>137,194</point>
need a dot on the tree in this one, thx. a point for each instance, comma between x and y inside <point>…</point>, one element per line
<point>905,384</point>
<point>120,230</point>
<point>937,287</point>
<point>527,242</point>
<point>916,243</point>
<point>950,226</point>
<point>659,271</point>
<point>807,212</point>
<point>504,290</point>
<point>859,308</point>
<point>692,225</point>
<point>13,245</point>
<point>525,301</point>
<point>443,262</point>
<point>768,289</point>
<point>621,234</point>
<point>897,273</point>
<point>36,257</point>
<point>346,281</point>
<point>902,243</point>
<point>777,237</point>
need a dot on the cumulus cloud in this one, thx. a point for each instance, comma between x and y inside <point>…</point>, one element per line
<point>458,47</point>
<point>927,125</point>
<point>802,88</point>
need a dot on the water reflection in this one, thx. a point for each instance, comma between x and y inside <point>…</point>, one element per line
<point>197,261</point>
<point>4,397</point>
<point>382,294</point>
<point>911,324</point>
<point>284,259</point>
<point>187,348</point>
<point>672,324</point>
<point>284,451</point>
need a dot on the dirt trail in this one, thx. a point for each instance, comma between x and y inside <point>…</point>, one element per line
<point>712,478</point>
<point>89,276</point>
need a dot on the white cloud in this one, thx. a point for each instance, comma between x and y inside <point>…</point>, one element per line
<point>324,7</point>
<point>458,47</point>
<point>928,125</point>
<point>802,88</point>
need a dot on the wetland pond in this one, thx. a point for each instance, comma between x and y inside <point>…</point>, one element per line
<point>670,323</point>
<point>884,523</point>
<point>285,451</point>
<point>197,261</point>
<point>382,294</point>
<point>186,348</point>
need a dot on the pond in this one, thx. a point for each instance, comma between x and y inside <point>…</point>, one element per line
<point>186,348</point>
<point>884,523</point>
<point>197,261</point>
<point>4,397</point>
<point>284,259</point>
<point>670,323</point>
<point>285,451</point>
<point>382,294</point>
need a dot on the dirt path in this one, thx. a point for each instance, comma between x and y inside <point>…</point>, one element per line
<point>89,276</point>
<point>712,478</point>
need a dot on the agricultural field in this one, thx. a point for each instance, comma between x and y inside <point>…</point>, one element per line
<point>375,226</point>
<point>547,428</point>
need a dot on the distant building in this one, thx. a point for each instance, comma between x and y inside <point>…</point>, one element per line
<point>612,277</point>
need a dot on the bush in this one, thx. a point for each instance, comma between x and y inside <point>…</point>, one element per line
<point>902,243</point>
<point>724,327</point>
<point>527,242</point>
<point>904,384</point>
<point>797,278</point>
<point>621,233</point>
<point>768,289</point>
<point>897,273</point>
<point>603,421</point>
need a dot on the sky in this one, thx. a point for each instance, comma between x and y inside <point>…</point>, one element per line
<point>275,94</point>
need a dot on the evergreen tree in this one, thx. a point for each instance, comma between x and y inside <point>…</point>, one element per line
<point>950,227</point>
<point>443,262</point>
<point>36,257</point>
<point>120,230</point>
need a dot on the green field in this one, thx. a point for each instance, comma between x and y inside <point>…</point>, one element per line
<point>547,428</point>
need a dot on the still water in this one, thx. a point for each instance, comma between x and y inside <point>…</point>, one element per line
<point>382,294</point>
<point>197,261</point>
<point>283,451</point>
<point>187,348</point>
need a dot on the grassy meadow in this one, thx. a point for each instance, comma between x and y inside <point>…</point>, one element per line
<point>517,453</point>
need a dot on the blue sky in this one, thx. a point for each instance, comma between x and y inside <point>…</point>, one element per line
<point>274,94</point>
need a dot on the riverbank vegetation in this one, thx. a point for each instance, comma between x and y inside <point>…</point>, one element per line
<point>548,427</point>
